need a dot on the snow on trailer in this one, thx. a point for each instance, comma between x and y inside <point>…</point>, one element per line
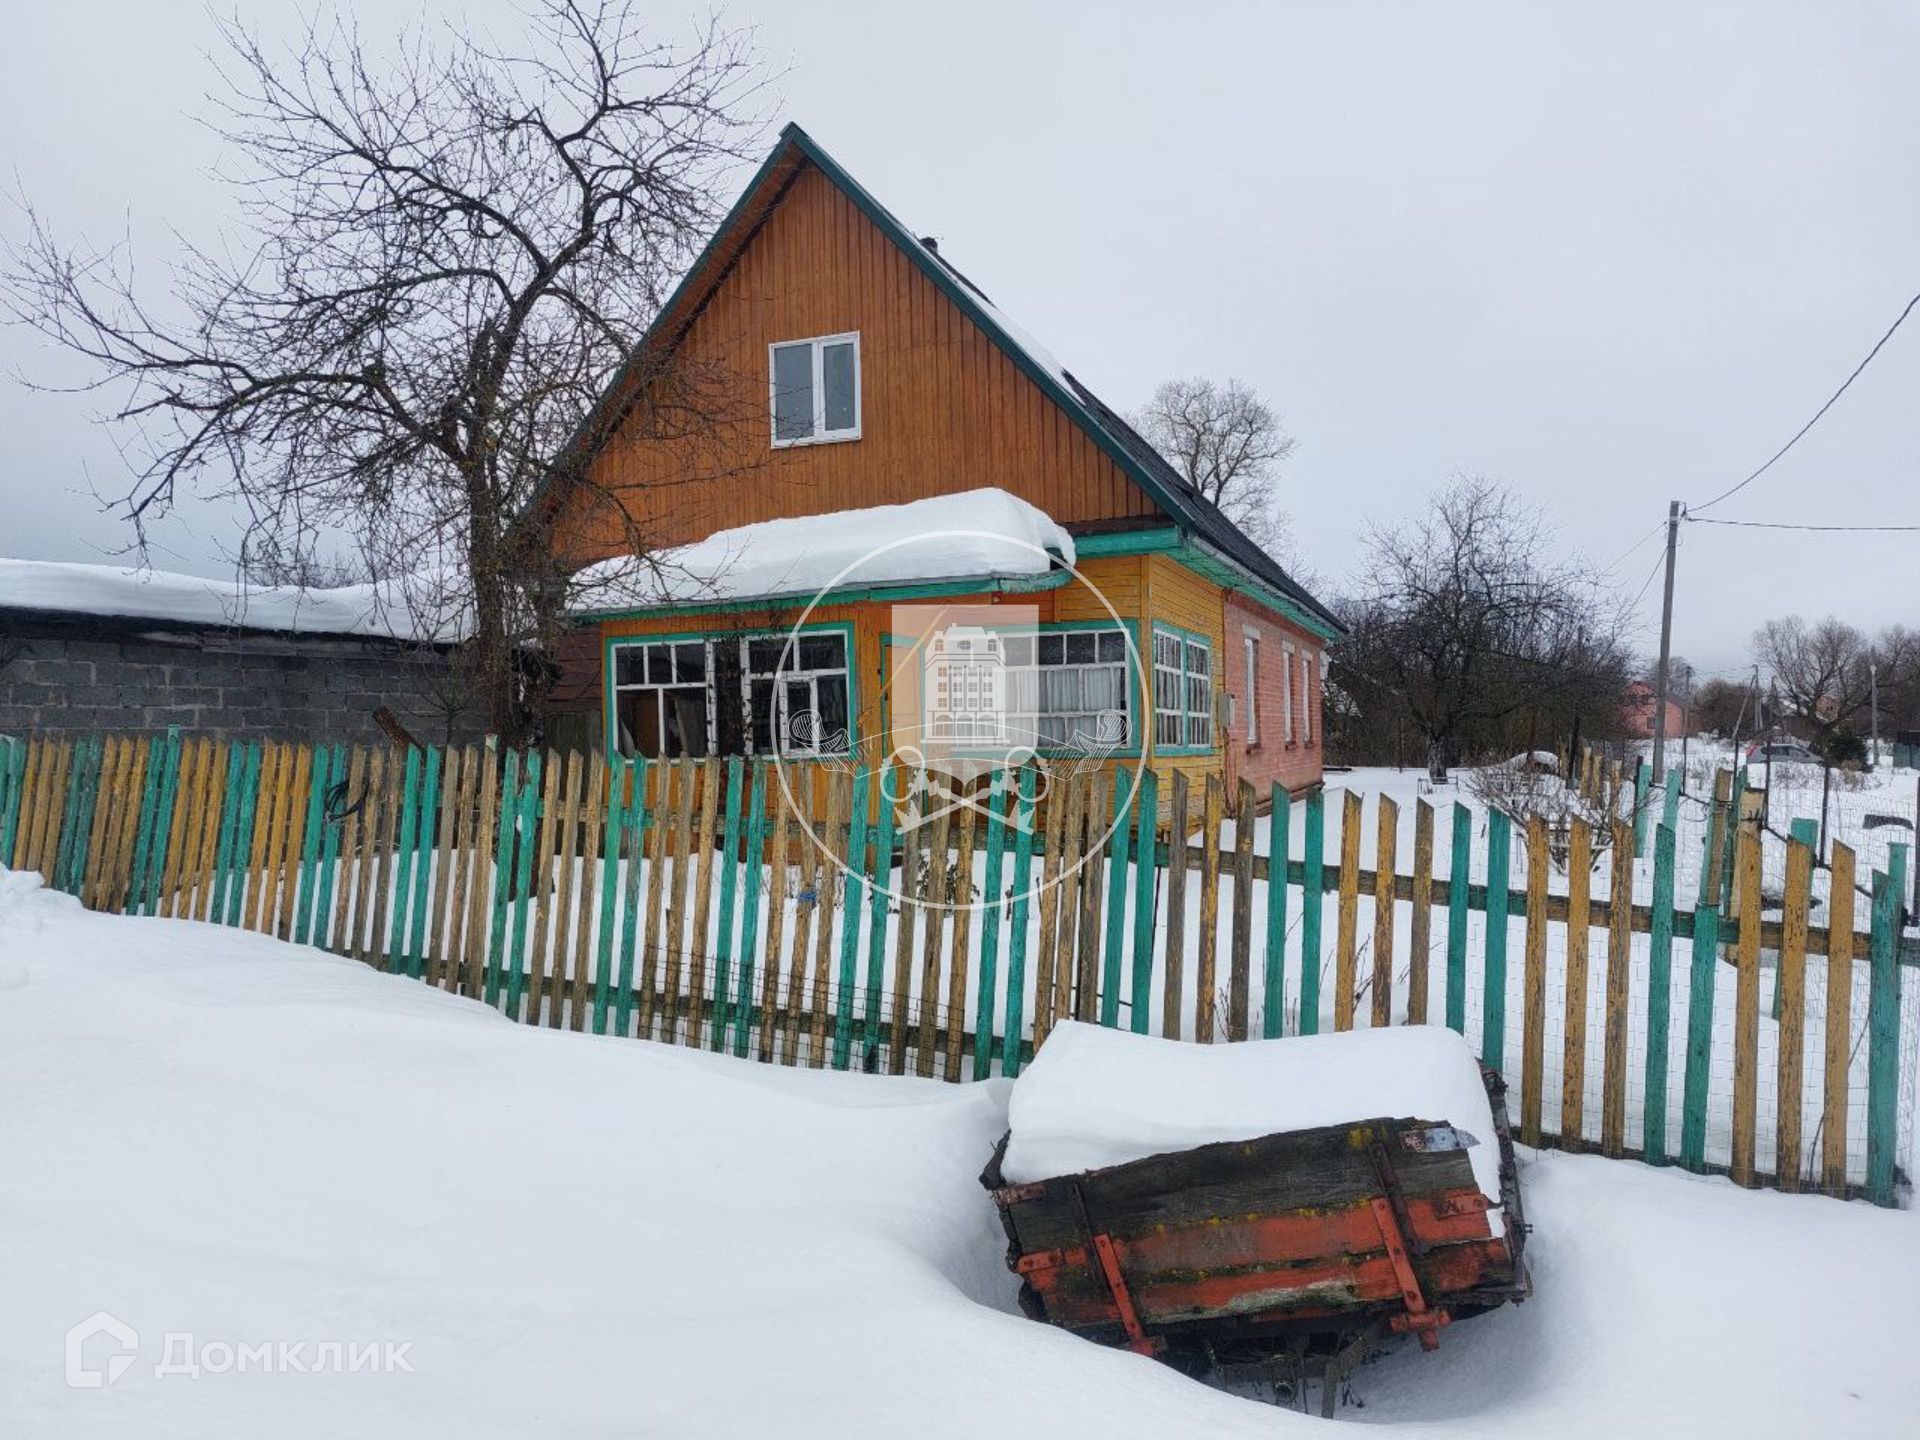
<point>1266,1211</point>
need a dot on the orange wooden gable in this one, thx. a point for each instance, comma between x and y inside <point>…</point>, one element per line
<point>944,406</point>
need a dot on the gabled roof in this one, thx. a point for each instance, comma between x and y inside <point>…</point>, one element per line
<point>1138,459</point>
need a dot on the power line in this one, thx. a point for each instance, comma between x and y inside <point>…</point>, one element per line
<point>1818,413</point>
<point>1783,525</point>
<point>1608,570</point>
<point>1659,561</point>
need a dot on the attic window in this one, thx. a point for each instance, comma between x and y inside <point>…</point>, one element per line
<point>815,389</point>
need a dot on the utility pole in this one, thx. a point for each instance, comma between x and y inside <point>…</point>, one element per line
<point>1666,649</point>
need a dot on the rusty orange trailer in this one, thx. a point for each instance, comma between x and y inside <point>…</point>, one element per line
<point>1282,1258</point>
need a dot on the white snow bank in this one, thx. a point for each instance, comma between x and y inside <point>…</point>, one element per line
<point>1095,1097</point>
<point>950,537</point>
<point>217,1133</point>
<point>416,607</point>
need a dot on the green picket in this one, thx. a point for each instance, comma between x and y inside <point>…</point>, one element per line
<point>855,869</point>
<point>987,980</point>
<point>1493,1004</point>
<point>329,847</point>
<point>1460,873</point>
<point>624,995</point>
<point>169,796</point>
<point>1640,773</point>
<point>13,785</point>
<point>311,840</point>
<point>729,884</point>
<point>243,830</point>
<point>523,881</point>
<point>423,868</point>
<point>1146,876</point>
<point>1693,1107</point>
<point>1670,813</point>
<point>503,876</point>
<point>750,905</point>
<point>610,854</point>
<point>229,825</point>
<point>1118,848</point>
<point>880,867</point>
<point>1314,878</point>
<point>1659,998</point>
<point>406,848</point>
<point>1011,1058</point>
<point>1274,997</point>
<point>76,813</point>
<point>1883,1028</point>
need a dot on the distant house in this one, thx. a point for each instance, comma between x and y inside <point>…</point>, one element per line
<point>883,394</point>
<point>87,649</point>
<point>1639,710</point>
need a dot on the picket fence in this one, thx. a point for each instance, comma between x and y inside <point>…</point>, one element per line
<point>788,914</point>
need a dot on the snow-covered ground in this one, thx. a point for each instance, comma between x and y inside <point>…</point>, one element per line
<point>213,1132</point>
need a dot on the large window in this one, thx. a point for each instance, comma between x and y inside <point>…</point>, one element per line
<point>815,389</point>
<point>733,695</point>
<point>1073,685</point>
<point>1182,689</point>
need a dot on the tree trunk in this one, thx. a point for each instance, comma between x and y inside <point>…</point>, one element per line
<point>1437,759</point>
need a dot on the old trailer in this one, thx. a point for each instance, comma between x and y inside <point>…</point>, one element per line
<point>1281,1259</point>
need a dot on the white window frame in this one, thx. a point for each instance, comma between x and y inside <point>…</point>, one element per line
<point>1286,691</point>
<point>1027,678</point>
<point>821,435</point>
<point>1169,688</point>
<point>1252,638</point>
<point>777,726</point>
<point>1200,702</point>
<point>1306,697</point>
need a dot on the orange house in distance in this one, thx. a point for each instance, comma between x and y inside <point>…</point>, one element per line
<point>867,391</point>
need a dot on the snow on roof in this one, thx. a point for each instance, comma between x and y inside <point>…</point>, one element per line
<point>414,608</point>
<point>1095,1097</point>
<point>977,533</point>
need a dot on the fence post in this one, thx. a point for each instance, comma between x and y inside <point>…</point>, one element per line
<point>1347,914</point>
<point>1146,884</point>
<point>1460,872</point>
<point>1790,1006</point>
<point>1176,947</point>
<point>1573,1034</point>
<point>859,872</point>
<point>1315,875</point>
<point>1493,1010</point>
<point>1533,984</point>
<point>1386,837</point>
<point>1693,1113</point>
<point>1883,1031</point>
<point>1026,782</point>
<point>634,780</point>
<point>1240,961</point>
<point>1118,849</point>
<point>1640,772</point>
<point>1279,841</point>
<point>1839,1003</point>
<point>1746,1008</point>
<point>1659,1000</point>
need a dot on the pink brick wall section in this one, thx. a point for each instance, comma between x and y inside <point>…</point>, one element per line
<point>1294,760</point>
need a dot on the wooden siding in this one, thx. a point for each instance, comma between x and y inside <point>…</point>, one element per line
<point>942,408</point>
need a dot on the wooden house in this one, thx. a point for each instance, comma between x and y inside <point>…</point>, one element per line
<point>853,366</point>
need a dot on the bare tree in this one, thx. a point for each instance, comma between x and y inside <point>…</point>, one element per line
<point>1718,706</point>
<point>1227,443</point>
<point>1467,623</point>
<point>441,258</point>
<point>1822,672</point>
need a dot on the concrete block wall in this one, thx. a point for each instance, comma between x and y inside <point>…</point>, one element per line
<point>56,680</point>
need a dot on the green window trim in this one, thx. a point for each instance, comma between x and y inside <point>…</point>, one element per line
<point>1186,638</point>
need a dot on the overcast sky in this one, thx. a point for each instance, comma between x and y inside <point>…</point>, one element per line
<point>1610,255</point>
